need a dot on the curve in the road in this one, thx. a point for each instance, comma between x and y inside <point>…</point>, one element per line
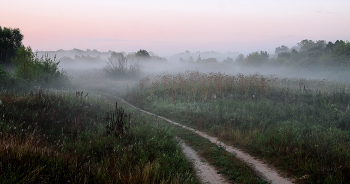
<point>265,171</point>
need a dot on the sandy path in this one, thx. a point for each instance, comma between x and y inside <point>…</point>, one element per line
<point>265,171</point>
<point>206,172</point>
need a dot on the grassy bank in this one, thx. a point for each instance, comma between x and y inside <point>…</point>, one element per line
<point>301,126</point>
<point>61,137</point>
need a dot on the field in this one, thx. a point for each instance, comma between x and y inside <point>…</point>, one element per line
<point>66,136</point>
<point>300,126</point>
<point>175,92</point>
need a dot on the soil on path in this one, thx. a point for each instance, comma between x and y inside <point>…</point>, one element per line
<point>205,172</point>
<point>263,170</point>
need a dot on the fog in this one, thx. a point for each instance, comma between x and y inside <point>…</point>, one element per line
<point>308,59</point>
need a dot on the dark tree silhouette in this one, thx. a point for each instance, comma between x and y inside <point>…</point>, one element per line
<point>10,41</point>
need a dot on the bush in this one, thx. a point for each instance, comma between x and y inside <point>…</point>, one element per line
<point>41,71</point>
<point>119,66</point>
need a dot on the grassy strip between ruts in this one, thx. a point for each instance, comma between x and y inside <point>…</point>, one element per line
<point>227,164</point>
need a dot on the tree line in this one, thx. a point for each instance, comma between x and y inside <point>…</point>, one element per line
<point>310,53</point>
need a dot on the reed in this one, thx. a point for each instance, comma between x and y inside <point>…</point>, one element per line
<point>301,125</point>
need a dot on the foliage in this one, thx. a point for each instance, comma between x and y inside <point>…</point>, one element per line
<point>118,121</point>
<point>309,45</point>
<point>228,60</point>
<point>256,58</point>
<point>10,41</point>
<point>307,55</point>
<point>207,60</point>
<point>41,71</point>
<point>280,49</point>
<point>239,59</point>
<point>298,124</point>
<point>120,67</point>
<point>316,55</point>
<point>60,137</point>
<point>142,54</point>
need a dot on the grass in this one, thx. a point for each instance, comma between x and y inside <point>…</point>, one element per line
<point>301,126</point>
<point>61,137</point>
<point>227,164</point>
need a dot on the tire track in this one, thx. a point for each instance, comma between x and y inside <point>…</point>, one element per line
<point>263,170</point>
<point>206,172</point>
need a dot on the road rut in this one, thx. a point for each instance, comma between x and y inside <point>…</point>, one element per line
<point>263,170</point>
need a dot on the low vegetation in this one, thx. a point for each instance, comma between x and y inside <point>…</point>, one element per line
<point>31,72</point>
<point>63,137</point>
<point>300,125</point>
<point>120,66</point>
<point>226,163</point>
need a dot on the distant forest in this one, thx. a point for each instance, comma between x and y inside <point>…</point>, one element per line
<point>306,54</point>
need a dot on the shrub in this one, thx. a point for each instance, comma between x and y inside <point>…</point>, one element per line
<point>42,71</point>
<point>119,66</point>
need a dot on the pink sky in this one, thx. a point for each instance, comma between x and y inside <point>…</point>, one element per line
<point>168,27</point>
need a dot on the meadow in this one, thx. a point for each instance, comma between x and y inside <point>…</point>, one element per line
<point>70,136</point>
<point>300,126</point>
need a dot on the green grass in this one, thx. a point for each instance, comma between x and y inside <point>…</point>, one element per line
<point>60,137</point>
<point>227,164</point>
<point>301,126</point>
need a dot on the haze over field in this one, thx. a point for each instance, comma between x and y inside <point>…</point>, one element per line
<point>169,27</point>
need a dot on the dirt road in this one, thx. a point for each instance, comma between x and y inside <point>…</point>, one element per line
<point>264,170</point>
<point>206,172</point>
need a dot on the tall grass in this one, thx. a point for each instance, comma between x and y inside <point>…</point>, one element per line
<point>62,137</point>
<point>303,123</point>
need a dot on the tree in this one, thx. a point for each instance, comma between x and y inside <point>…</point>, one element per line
<point>119,66</point>
<point>228,60</point>
<point>280,49</point>
<point>143,54</point>
<point>321,44</point>
<point>256,58</point>
<point>239,58</point>
<point>329,46</point>
<point>199,59</point>
<point>209,60</point>
<point>309,45</point>
<point>306,44</point>
<point>10,41</point>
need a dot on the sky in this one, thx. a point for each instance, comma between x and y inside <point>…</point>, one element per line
<point>167,27</point>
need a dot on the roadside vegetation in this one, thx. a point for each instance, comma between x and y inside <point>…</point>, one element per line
<point>226,163</point>
<point>54,132</point>
<point>31,72</point>
<point>62,137</point>
<point>301,126</point>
